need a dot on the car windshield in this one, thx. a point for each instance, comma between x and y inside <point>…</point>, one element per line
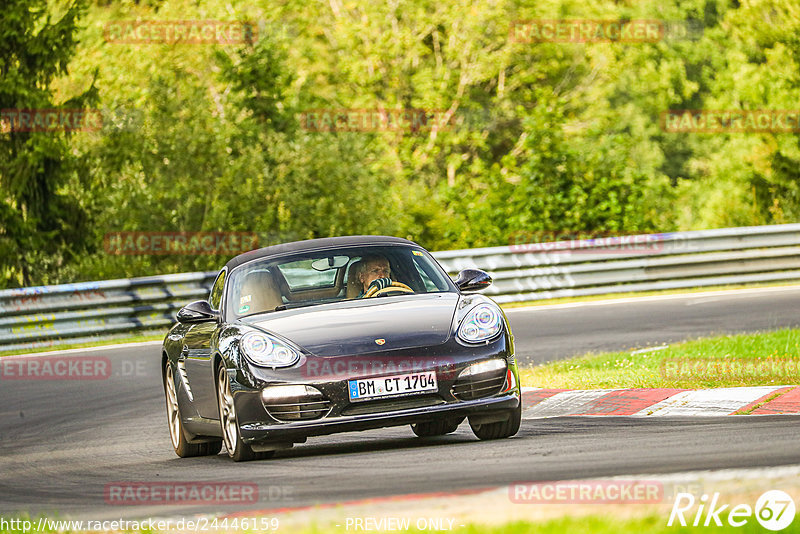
<point>320,277</point>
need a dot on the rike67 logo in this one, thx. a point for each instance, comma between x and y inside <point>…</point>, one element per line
<point>774,510</point>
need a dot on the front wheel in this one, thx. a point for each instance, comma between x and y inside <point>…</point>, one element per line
<point>177,434</point>
<point>500,429</point>
<point>237,448</point>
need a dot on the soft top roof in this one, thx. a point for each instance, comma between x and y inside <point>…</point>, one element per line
<point>315,244</point>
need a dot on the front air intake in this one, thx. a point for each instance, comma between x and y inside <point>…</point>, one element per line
<point>295,403</point>
<point>480,380</point>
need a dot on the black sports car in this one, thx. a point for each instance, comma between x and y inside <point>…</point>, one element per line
<point>334,335</point>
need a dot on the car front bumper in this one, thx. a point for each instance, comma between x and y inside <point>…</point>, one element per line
<point>496,408</point>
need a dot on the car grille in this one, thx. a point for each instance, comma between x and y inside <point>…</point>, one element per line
<point>299,411</point>
<point>479,386</point>
<point>295,402</point>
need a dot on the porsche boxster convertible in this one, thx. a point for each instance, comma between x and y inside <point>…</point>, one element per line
<point>334,335</point>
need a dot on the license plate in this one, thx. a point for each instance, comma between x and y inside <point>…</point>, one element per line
<point>386,386</point>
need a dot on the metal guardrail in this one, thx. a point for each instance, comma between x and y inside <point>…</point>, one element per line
<point>73,313</point>
<point>659,261</point>
<point>52,315</point>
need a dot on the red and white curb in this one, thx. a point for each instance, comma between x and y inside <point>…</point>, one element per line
<point>758,400</point>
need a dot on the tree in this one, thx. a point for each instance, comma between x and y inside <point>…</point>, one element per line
<point>42,223</point>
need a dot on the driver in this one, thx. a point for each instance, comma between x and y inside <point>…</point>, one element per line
<point>375,272</point>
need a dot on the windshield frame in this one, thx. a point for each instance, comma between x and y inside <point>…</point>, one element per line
<point>232,274</point>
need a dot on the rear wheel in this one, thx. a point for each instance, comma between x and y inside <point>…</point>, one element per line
<point>499,429</point>
<point>177,434</point>
<point>237,448</point>
<point>439,427</point>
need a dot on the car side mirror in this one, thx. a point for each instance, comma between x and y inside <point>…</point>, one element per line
<point>197,312</point>
<point>473,280</point>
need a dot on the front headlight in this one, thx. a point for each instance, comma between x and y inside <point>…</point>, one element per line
<point>268,351</point>
<point>483,322</point>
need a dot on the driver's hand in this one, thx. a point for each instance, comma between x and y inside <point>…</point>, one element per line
<point>380,283</point>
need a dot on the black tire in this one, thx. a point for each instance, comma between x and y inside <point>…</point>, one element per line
<point>237,449</point>
<point>177,432</point>
<point>439,427</point>
<point>500,429</point>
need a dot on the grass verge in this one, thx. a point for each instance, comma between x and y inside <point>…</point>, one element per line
<point>652,524</point>
<point>763,359</point>
<point>592,524</point>
<point>87,344</point>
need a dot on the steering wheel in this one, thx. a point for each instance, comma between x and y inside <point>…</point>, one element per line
<point>394,286</point>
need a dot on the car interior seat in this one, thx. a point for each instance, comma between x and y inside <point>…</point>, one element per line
<point>260,292</point>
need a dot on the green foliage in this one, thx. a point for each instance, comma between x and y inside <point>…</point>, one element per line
<point>555,183</point>
<point>542,136</point>
<point>41,218</point>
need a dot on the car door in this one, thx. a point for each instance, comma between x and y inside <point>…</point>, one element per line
<point>196,356</point>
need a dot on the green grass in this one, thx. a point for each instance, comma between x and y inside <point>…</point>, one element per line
<point>680,365</point>
<point>593,524</point>
<point>98,343</point>
<point>651,524</point>
<point>590,524</point>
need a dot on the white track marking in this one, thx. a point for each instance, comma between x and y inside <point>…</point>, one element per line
<point>708,402</point>
<point>564,403</point>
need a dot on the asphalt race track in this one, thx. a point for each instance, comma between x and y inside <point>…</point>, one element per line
<point>63,442</point>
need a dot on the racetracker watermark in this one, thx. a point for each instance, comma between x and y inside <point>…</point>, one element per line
<point>731,121</point>
<point>208,493</point>
<point>55,368</point>
<point>786,370</point>
<point>195,524</point>
<point>180,32</point>
<point>585,242</point>
<point>374,120</point>
<point>587,492</point>
<point>187,243</point>
<point>344,367</point>
<point>586,31</point>
<point>50,120</point>
<point>597,31</point>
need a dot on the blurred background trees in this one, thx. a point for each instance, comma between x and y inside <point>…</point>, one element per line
<point>42,217</point>
<point>542,137</point>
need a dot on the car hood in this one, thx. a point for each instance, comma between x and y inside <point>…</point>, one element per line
<point>357,327</point>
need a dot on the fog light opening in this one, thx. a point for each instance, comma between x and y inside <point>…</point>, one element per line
<point>480,380</point>
<point>295,402</point>
<point>483,367</point>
